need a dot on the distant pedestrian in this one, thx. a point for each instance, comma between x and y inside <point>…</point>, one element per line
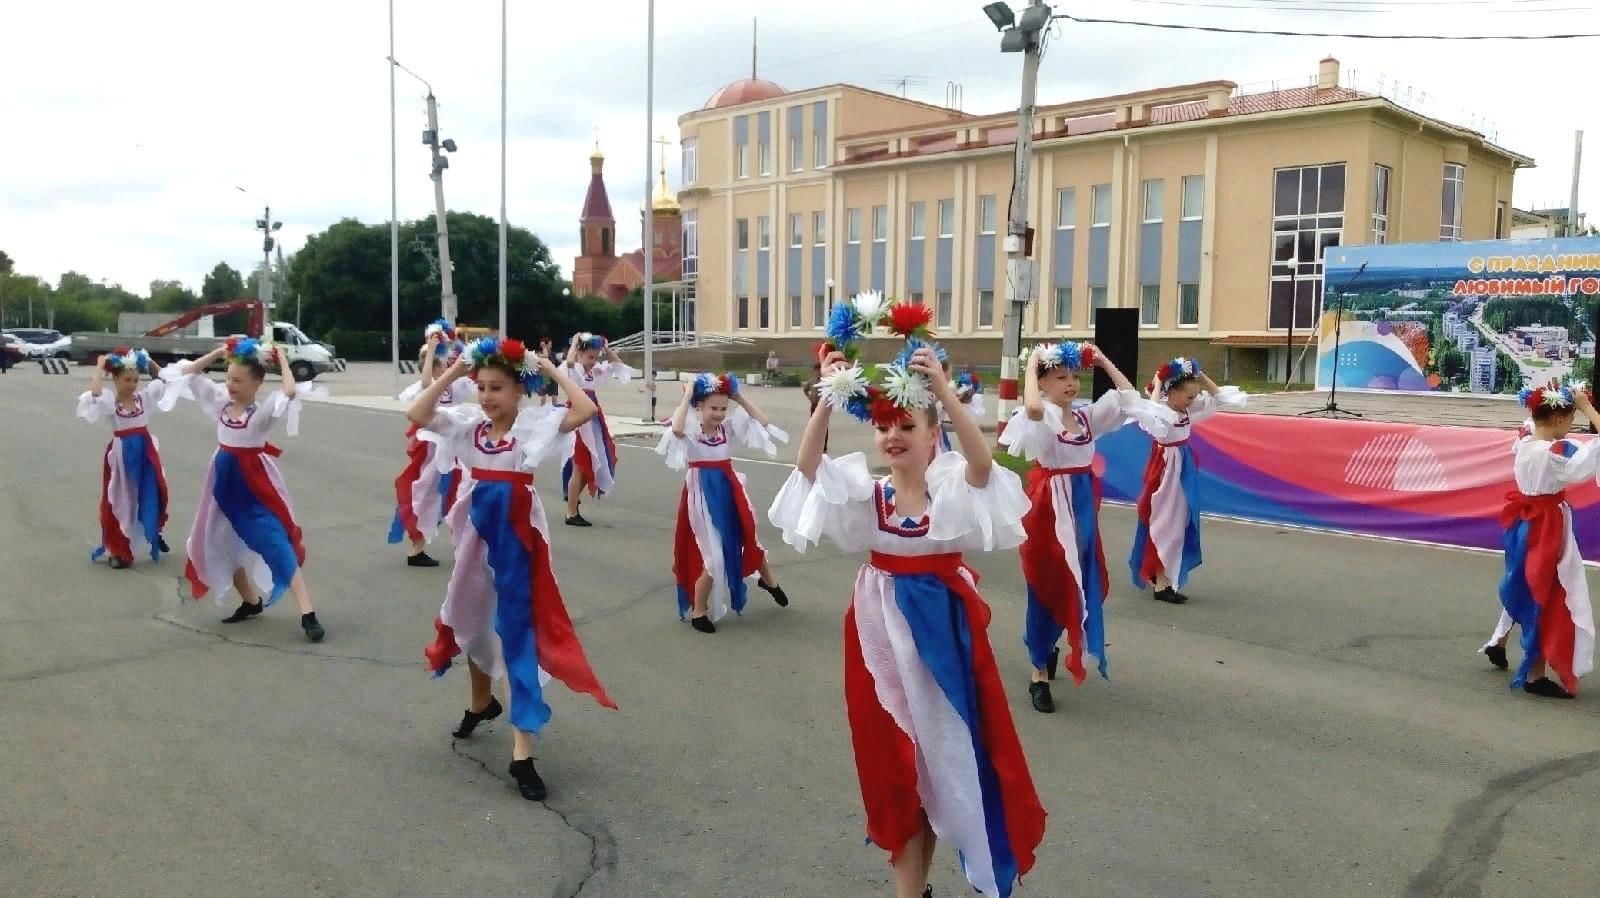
<point>772,368</point>
<point>550,393</point>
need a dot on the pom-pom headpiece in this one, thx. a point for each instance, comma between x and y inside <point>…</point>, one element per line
<point>509,353</point>
<point>708,384</point>
<point>1170,373</point>
<point>899,389</point>
<point>1068,354</point>
<point>246,351</point>
<point>1550,396</point>
<point>119,361</point>
<point>450,344</point>
<point>587,340</point>
<point>859,315</point>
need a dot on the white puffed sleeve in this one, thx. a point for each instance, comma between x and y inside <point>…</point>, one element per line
<point>446,431</point>
<point>617,371</point>
<point>977,407</point>
<point>1111,411</point>
<point>410,393</point>
<point>282,405</point>
<point>463,390</point>
<point>92,408</point>
<point>539,436</point>
<point>748,432</point>
<point>674,449</point>
<point>1030,439</point>
<point>195,386</point>
<point>1156,418</point>
<point>987,517</point>
<point>155,393</point>
<point>837,503</point>
<point>1575,462</point>
<point>1205,405</point>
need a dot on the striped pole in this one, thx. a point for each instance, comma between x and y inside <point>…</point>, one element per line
<point>1008,391</point>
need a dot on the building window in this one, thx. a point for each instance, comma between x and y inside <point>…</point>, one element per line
<point>764,310</point>
<point>741,227</point>
<point>1194,197</point>
<point>797,233</point>
<point>1100,201</point>
<point>1308,219</point>
<point>919,220</point>
<point>819,311</point>
<point>794,311</point>
<point>1155,193</point>
<point>1188,305</point>
<point>744,312</point>
<point>819,229</point>
<point>916,298</point>
<point>986,308</point>
<point>689,150</point>
<point>691,244</point>
<point>1453,188</point>
<point>797,151</point>
<point>1149,305</point>
<point>1063,316</point>
<point>819,149</point>
<point>942,310</point>
<point>880,224</point>
<point>852,226</point>
<point>583,243</point>
<point>741,146</point>
<point>763,233</point>
<point>1380,204</point>
<point>764,142</point>
<point>1097,301</point>
<point>1500,220</point>
<point>986,209</point>
<point>947,218</point>
<point>1066,209</point>
<point>605,241</point>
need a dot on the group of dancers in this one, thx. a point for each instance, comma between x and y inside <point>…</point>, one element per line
<point>936,749</point>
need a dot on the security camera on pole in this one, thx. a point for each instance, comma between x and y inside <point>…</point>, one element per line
<point>267,227</point>
<point>1026,37</point>
<point>447,297</point>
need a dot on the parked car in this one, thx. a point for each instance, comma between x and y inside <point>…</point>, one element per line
<point>43,342</point>
<point>12,348</point>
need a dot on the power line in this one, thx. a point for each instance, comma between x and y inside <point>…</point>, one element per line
<point>1362,7</point>
<point>1218,29</point>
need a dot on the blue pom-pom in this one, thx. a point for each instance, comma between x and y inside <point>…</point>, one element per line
<point>903,360</point>
<point>704,385</point>
<point>859,408</point>
<point>841,329</point>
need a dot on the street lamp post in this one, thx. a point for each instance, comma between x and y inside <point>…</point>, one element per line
<point>649,213</point>
<point>437,148</point>
<point>1026,37</point>
<point>502,330</point>
<point>394,215</point>
<point>267,227</point>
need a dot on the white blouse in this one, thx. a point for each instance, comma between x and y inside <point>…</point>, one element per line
<point>1048,442</point>
<point>1168,426</point>
<point>249,430</point>
<point>1542,467</point>
<point>462,433</point>
<point>737,429</point>
<point>94,408</point>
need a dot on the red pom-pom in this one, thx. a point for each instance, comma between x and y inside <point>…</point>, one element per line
<point>909,319</point>
<point>1087,353</point>
<point>513,350</point>
<point>232,344</point>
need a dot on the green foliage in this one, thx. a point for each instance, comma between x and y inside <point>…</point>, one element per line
<point>171,296</point>
<point>1551,311</point>
<point>365,346</point>
<point>6,265</point>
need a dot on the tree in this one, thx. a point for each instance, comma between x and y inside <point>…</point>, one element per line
<point>18,294</point>
<point>224,283</point>
<point>6,265</point>
<point>171,296</point>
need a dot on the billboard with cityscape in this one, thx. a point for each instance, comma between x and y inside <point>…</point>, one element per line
<point>1480,317</point>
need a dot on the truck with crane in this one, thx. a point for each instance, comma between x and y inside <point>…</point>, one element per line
<point>166,341</point>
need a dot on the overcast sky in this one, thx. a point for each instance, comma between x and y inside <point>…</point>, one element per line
<point>128,126</point>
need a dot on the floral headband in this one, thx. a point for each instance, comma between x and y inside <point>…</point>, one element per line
<point>1172,372</point>
<point>246,351</point>
<point>511,353</point>
<point>1069,354</point>
<point>707,384</point>
<point>1552,395</point>
<point>587,340</point>
<point>451,345</point>
<point>120,359</point>
<point>901,390</point>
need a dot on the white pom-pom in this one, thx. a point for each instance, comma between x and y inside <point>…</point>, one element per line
<point>905,388</point>
<point>869,306</point>
<point>841,386</point>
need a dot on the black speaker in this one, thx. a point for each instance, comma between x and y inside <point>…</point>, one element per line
<point>1116,332</point>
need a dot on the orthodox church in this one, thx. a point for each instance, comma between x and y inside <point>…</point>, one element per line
<point>598,270</point>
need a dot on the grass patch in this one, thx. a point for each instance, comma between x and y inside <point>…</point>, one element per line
<point>1011,462</point>
<point>1536,363</point>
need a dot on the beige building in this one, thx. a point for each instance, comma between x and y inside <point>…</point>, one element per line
<point>1205,208</point>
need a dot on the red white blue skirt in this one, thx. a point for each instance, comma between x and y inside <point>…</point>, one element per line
<point>503,607</point>
<point>423,496</point>
<point>245,520</point>
<point>932,731</point>
<point>716,534</point>
<point>1064,565</point>
<point>133,497</point>
<point>593,453</point>
<point>1167,538</point>
<point>1544,590</point>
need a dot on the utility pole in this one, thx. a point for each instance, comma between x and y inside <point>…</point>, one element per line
<point>267,227</point>
<point>447,295</point>
<point>649,213</point>
<point>1026,37</point>
<point>1572,204</point>
<point>502,310</point>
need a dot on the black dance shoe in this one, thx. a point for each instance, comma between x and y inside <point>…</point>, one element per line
<point>1497,656</point>
<point>703,624</point>
<point>528,781</point>
<point>1043,702</point>
<point>245,611</point>
<point>1171,596</point>
<point>777,593</point>
<point>1544,687</point>
<point>470,719</point>
<point>578,520</point>
<point>314,631</point>
<point>161,543</point>
<point>422,559</point>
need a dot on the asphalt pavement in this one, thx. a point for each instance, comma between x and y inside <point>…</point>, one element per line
<point>1314,723</point>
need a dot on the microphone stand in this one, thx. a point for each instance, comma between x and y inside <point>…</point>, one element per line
<point>1332,409</point>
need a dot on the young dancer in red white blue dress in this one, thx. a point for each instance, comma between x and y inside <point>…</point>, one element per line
<point>1544,590</point>
<point>133,486</point>
<point>971,396</point>
<point>1166,542</point>
<point>592,461</point>
<point>245,529</point>
<point>423,494</point>
<point>1063,560</point>
<point>716,548</point>
<point>937,753</point>
<point>503,607</point>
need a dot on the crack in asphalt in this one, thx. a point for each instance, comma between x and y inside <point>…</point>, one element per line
<point>99,664</point>
<point>161,617</point>
<point>1473,837</point>
<point>602,846</point>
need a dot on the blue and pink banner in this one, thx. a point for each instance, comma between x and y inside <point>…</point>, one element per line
<point>1434,484</point>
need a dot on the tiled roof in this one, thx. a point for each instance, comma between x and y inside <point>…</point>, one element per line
<point>745,90</point>
<point>596,204</point>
